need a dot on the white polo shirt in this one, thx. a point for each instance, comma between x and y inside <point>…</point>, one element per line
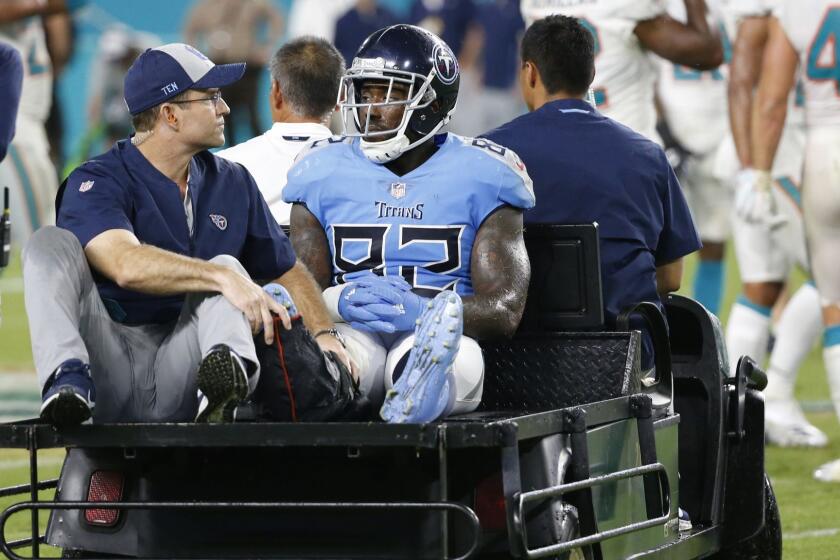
<point>269,156</point>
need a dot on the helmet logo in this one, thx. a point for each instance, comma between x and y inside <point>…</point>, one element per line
<point>446,64</point>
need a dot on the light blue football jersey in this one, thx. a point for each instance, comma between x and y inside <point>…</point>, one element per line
<point>420,225</point>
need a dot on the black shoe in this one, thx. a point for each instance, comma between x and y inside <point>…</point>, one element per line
<point>222,385</point>
<point>70,396</point>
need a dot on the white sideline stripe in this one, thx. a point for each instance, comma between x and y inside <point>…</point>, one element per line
<point>813,534</point>
<point>11,464</point>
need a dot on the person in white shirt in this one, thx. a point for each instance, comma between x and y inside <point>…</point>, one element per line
<point>305,75</point>
<point>803,34</point>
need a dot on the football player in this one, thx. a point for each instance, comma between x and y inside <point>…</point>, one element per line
<point>28,169</point>
<point>624,32</point>
<point>394,213</point>
<point>804,33</point>
<point>768,245</point>
<point>693,107</point>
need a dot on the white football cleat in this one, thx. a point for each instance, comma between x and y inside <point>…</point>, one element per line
<point>829,472</point>
<point>786,426</point>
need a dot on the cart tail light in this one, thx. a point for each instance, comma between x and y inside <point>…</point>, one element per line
<point>105,486</point>
<point>490,503</point>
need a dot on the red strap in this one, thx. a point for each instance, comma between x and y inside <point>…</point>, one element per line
<point>282,356</point>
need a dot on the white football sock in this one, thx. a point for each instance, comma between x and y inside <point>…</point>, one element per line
<point>798,328</point>
<point>747,333</point>
<point>831,357</point>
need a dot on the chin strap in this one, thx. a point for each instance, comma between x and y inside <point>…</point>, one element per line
<point>391,149</point>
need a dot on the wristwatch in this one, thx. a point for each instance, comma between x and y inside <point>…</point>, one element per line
<point>333,333</point>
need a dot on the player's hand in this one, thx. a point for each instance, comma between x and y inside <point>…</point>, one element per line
<point>391,300</point>
<point>366,302</point>
<point>329,343</point>
<point>754,200</point>
<point>255,304</point>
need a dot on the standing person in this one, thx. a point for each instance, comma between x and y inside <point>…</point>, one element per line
<point>693,106</point>
<point>768,246</point>
<point>305,75</point>
<point>233,30</point>
<point>143,292</point>
<point>624,31</point>
<point>28,169</point>
<point>395,213</point>
<point>11,81</point>
<point>644,224</point>
<point>803,33</point>
<point>362,19</point>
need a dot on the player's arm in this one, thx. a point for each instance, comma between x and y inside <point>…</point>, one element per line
<point>778,75</point>
<point>310,244</point>
<point>14,10</point>
<point>743,78</point>
<point>309,301</point>
<point>118,255</point>
<point>669,277</point>
<point>500,275</point>
<point>692,43</point>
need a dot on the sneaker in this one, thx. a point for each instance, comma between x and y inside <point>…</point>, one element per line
<point>829,472</point>
<point>426,389</point>
<point>785,425</point>
<point>69,397</point>
<point>222,385</point>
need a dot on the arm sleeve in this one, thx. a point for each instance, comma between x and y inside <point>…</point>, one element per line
<point>679,236</point>
<point>93,203</point>
<point>267,252</point>
<point>11,80</point>
<point>516,187</point>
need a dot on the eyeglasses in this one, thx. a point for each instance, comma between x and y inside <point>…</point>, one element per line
<point>215,98</point>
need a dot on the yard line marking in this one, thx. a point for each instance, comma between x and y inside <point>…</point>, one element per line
<point>813,534</point>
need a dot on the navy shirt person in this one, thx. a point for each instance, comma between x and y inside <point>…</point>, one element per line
<point>142,293</point>
<point>589,168</point>
<point>11,81</point>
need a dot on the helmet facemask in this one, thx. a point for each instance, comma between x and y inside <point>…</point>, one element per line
<point>420,96</point>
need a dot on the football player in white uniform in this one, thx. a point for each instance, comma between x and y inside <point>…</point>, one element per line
<point>767,252</point>
<point>28,169</point>
<point>804,32</point>
<point>693,107</point>
<point>624,30</point>
<point>305,74</point>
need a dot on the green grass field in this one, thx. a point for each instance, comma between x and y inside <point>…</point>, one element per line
<point>810,510</point>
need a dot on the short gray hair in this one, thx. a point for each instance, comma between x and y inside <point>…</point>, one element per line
<point>308,71</point>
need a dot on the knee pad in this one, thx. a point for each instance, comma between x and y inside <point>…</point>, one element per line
<point>468,371</point>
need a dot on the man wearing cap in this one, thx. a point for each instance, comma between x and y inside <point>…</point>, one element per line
<point>143,292</point>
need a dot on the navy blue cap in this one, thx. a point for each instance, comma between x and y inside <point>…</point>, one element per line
<point>164,72</point>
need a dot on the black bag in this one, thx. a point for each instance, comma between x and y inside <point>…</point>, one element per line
<point>301,383</point>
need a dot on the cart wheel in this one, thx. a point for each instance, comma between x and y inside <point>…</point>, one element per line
<point>767,543</point>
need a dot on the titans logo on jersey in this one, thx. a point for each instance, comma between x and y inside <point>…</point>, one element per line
<point>420,225</point>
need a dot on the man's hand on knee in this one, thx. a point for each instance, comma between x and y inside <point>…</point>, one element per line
<point>254,302</point>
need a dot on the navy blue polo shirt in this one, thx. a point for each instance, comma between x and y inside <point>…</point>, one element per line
<point>589,168</point>
<point>11,81</point>
<point>120,189</point>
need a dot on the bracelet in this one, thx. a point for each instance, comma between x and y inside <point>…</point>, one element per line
<point>333,333</point>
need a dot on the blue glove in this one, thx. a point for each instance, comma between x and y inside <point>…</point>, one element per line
<point>364,304</point>
<point>392,303</point>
